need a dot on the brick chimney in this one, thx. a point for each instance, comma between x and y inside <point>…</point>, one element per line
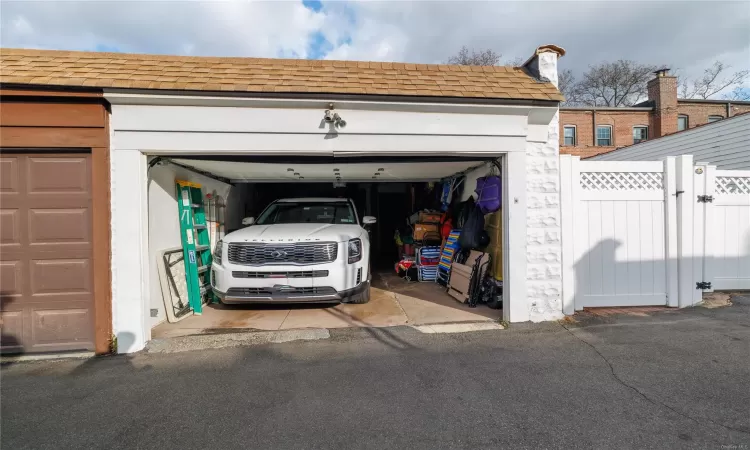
<point>662,93</point>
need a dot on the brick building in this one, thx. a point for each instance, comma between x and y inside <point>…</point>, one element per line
<point>589,131</point>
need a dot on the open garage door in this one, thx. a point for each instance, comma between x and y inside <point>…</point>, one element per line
<point>391,189</point>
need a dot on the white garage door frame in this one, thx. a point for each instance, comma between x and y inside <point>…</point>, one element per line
<point>165,125</point>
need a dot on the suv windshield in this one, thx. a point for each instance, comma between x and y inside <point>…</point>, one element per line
<point>308,212</point>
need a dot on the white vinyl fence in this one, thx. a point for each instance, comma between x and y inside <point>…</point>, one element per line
<point>639,233</point>
<point>728,228</point>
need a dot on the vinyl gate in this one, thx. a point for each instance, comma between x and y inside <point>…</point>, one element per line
<point>727,251</point>
<point>639,233</point>
<point>618,224</point>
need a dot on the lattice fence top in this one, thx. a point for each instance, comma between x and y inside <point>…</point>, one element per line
<point>622,181</point>
<point>733,185</point>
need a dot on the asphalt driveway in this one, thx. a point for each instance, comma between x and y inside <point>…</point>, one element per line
<point>667,380</point>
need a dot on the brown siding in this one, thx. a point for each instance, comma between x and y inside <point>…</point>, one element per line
<point>622,123</point>
<point>59,115</point>
<point>62,121</point>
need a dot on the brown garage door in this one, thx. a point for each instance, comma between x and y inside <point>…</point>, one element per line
<point>45,252</point>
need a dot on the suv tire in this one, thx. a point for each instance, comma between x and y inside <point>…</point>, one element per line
<point>359,299</point>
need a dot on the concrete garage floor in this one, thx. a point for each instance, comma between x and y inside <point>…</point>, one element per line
<point>393,302</point>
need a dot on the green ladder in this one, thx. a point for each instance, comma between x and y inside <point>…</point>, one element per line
<point>196,243</point>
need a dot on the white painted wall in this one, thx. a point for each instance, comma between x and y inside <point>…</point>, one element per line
<point>130,261</point>
<point>543,235</point>
<point>164,221</point>
<point>470,182</point>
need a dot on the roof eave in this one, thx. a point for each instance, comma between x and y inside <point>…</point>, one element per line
<point>333,96</point>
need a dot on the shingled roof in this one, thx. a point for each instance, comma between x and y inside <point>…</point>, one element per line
<point>261,75</point>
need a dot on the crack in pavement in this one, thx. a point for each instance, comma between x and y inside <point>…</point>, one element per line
<point>395,298</point>
<point>643,395</point>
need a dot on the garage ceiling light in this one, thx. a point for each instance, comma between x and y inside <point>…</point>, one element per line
<point>252,171</point>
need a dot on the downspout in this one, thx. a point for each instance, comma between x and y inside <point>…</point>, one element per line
<point>593,125</point>
<point>729,109</point>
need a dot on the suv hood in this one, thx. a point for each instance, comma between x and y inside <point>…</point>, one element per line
<point>295,232</point>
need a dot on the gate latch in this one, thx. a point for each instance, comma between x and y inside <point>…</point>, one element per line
<point>705,198</point>
<point>703,285</point>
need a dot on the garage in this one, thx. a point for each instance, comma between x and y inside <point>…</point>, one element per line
<point>54,227</point>
<point>322,113</point>
<point>386,192</point>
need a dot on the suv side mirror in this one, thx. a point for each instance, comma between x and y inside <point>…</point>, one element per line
<point>368,220</point>
<point>247,221</point>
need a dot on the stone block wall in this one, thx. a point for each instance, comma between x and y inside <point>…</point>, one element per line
<point>543,239</point>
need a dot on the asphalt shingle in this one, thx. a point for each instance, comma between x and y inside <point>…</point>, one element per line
<point>189,73</point>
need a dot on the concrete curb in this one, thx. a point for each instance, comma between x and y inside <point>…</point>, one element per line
<point>10,359</point>
<point>229,340</point>
<point>440,328</point>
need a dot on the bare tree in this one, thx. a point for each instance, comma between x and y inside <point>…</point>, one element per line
<point>515,62</point>
<point>566,83</point>
<point>739,94</point>
<point>619,83</point>
<point>473,58</point>
<point>716,79</point>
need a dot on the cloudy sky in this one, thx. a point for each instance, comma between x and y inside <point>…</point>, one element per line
<point>688,35</point>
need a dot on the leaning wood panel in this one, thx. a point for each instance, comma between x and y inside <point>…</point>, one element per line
<point>52,137</point>
<point>27,114</point>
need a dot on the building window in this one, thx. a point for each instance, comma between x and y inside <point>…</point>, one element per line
<point>640,134</point>
<point>682,123</point>
<point>714,118</point>
<point>570,135</point>
<point>603,135</point>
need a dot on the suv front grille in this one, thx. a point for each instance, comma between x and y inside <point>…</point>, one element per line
<point>287,290</point>
<point>295,274</point>
<point>302,253</point>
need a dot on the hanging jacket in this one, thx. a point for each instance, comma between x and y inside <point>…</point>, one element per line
<point>472,229</point>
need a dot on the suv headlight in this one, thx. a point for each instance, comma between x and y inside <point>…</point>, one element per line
<point>217,252</point>
<point>354,250</point>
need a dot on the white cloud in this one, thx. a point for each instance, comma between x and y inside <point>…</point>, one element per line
<point>685,35</point>
<point>201,28</point>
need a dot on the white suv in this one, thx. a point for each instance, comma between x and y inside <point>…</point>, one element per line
<point>298,250</point>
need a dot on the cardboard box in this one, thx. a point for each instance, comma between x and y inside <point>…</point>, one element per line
<point>425,217</point>
<point>423,229</point>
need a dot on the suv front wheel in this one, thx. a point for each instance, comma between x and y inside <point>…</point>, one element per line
<point>362,297</point>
